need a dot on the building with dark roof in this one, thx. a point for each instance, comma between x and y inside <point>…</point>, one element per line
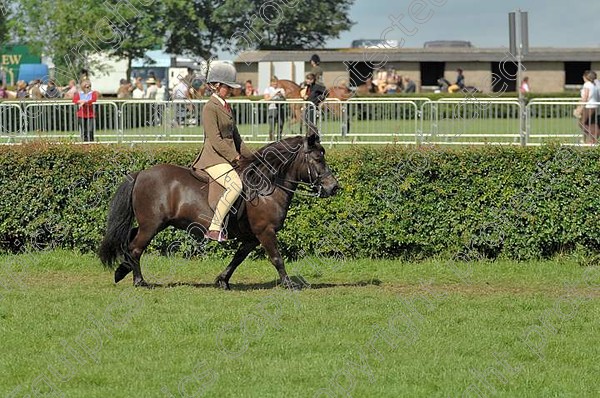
<point>488,69</point>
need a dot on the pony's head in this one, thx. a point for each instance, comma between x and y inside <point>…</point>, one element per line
<point>297,160</point>
<point>312,166</point>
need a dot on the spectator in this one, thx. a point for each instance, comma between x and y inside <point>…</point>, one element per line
<point>85,113</point>
<point>34,90</point>
<point>161,91</point>
<point>151,90</point>
<point>125,89</point>
<point>180,92</point>
<point>314,93</point>
<point>392,86</point>
<point>524,89</point>
<point>138,91</point>
<point>189,78</point>
<point>590,96</point>
<point>460,82</point>
<point>22,89</point>
<point>276,112</point>
<point>249,90</point>
<point>161,95</point>
<point>71,90</point>
<point>197,89</point>
<point>52,91</point>
<point>409,85</point>
<point>381,80</point>
<point>315,62</point>
<point>3,92</point>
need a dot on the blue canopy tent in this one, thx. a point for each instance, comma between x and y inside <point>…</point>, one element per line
<point>29,72</point>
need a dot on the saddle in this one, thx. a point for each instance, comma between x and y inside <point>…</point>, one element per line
<point>216,190</point>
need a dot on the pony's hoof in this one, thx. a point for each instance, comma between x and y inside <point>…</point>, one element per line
<point>222,284</point>
<point>142,283</point>
<point>121,272</point>
<point>290,284</point>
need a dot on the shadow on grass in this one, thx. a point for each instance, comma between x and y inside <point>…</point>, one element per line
<point>303,285</point>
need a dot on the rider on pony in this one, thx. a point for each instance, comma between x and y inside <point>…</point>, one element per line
<point>223,145</point>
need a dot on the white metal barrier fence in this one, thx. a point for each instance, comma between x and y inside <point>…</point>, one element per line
<point>552,120</point>
<point>369,122</point>
<point>471,121</point>
<point>359,120</point>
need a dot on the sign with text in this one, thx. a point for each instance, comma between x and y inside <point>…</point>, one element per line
<point>11,58</point>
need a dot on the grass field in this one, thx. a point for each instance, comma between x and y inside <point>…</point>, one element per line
<point>365,328</point>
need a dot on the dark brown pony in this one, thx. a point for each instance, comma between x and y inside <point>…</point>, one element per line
<point>168,195</point>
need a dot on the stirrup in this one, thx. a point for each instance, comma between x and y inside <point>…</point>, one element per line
<point>219,236</point>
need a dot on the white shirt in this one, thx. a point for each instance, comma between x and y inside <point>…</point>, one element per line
<point>180,91</point>
<point>593,95</point>
<point>151,92</point>
<point>160,93</point>
<point>137,93</point>
<point>271,91</point>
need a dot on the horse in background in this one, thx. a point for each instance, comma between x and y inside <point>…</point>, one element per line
<point>294,91</point>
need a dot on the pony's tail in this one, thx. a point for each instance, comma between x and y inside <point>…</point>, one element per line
<point>120,218</point>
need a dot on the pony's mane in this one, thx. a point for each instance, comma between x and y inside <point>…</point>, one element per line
<point>272,160</point>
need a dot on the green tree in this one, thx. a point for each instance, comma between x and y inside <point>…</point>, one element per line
<point>83,33</point>
<point>60,29</point>
<point>200,27</point>
<point>4,27</point>
<point>290,24</point>
<point>197,28</point>
<point>132,29</point>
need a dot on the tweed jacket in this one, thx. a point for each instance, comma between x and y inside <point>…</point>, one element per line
<point>222,141</point>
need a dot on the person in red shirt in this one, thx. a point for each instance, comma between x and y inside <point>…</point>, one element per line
<point>85,99</point>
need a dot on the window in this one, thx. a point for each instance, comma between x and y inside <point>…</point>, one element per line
<point>431,72</point>
<point>574,72</point>
<point>359,72</point>
<point>504,76</point>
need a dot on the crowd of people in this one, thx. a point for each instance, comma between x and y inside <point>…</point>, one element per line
<point>388,81</point>
<point>37,89</point>
<point>383,81</point>
<point>153,90</point>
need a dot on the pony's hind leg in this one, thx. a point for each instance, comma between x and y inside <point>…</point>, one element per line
<point>240,255</point>
<point>136,248</point>
<point>124,268</point>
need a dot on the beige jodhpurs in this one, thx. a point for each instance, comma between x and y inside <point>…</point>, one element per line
<point>229,179</point>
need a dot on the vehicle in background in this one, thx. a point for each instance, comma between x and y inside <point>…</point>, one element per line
<point>375,43</point>
<point>447,43</point>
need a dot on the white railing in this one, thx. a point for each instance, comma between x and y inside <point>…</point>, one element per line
<point>447,121</point>
<point>472,122</point>
<point>553,121</point>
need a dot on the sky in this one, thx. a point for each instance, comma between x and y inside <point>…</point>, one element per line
<point>552,23</point>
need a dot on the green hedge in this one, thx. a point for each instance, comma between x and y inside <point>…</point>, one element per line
<point>512,202</point>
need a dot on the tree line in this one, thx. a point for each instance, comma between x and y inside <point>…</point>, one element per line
<point>81,33</point>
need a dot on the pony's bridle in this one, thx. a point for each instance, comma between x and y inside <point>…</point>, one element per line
<point>311,185</point>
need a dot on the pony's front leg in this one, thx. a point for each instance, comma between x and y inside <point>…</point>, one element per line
<point>241,254</point>
<point>268,240</point>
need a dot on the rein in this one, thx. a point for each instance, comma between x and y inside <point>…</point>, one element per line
<point>309,186</point>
